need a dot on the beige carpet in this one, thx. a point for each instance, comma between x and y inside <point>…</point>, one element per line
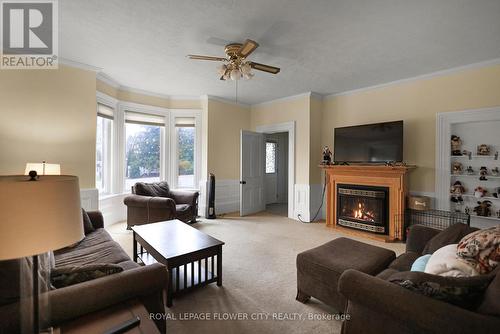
<point>259,278</point>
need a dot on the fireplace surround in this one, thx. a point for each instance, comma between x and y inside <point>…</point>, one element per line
<point>392,178</point>
<point>363,207</point>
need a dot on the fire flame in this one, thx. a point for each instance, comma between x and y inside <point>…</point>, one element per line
<point>361,213</point>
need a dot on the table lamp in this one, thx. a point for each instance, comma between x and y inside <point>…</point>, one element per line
<point>38,215</point>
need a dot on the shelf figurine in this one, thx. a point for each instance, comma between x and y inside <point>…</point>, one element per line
<point>456,144</point>
<point>480,192</point>
<point>483,209</point>
<point>456,192</point>
<point>496,193</point>
<point>483,149</point>
<point>498,214</point>
<point>496,155</point>
<point>470,170</point>
<point>327,156</point>
<point>483,171</point>
<point>495,171</point>
<point>456,168</point>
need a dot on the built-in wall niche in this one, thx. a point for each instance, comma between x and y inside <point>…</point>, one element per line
<point>471,135</point>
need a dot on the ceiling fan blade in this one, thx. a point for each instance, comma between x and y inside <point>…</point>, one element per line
<point>247,48</point>
<point>197,57</point>
<point>265,68</point>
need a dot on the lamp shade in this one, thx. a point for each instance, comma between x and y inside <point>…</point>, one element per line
<point>43,168</point>
<point>38,216</point>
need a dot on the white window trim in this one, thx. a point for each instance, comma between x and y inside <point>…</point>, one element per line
<point>196,114</point>
<point>167,133</point>
<point>109,175</point>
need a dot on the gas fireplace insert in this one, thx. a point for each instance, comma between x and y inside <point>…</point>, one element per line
<point>363,207</point>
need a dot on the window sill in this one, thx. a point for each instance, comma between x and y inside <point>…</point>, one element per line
<point>109,196</point>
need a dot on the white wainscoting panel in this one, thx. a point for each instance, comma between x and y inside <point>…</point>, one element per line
<point>113,209</point>
<point>89,199</point>
<point>227,196</point>
<point>302,202</point>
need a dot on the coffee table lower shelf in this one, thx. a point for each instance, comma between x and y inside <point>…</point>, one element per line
<point>186,272</point>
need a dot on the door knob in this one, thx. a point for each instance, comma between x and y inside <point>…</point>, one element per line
<point>243,182</point>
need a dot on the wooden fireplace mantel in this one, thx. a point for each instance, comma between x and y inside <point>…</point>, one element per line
<point>393,177</point>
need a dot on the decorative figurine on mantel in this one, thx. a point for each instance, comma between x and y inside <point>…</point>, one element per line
<point>496,192</point>
<point>495,171</point>
<point>483,209</point>
<point>498,214</point>
<point>327,156</point>
<point>483,149</point>
<point>483,171</point>
<point>456,144</point>
<point>456,168</point>
<point>470,170</point>
<point>496,155</point>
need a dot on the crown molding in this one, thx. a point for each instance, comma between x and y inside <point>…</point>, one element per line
<point>101,76</point>
<point>290,98</point>
<point>226,101</point>
<point>75,64</point>
<point>453,70</point>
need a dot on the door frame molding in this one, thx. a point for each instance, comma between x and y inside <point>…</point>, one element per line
<point>290,128</point>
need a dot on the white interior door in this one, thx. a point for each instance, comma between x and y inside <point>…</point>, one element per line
<point>252,165</point>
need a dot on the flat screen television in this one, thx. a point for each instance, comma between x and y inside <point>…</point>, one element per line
<point>369,143</point>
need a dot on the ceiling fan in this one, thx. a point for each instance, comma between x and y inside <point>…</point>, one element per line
<point>235,65</point>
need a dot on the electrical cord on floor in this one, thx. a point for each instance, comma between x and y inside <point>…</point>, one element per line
<point>299,216</point>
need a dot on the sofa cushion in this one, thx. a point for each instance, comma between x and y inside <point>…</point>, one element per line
<point>481,249</point>
<point>70,275</point>
<point>420,263</point>
<point>404,261</point>
<point>450,235</point>
<point>156,189</point>
<point>106,252</point>
<point>385,274</point>
<point>87,223</point>
<point>465,292</point>
<point>490,304</point>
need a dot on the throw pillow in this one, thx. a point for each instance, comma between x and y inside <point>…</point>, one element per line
<point>420,263</point>
<point>444,262</point>
<point>450,235</point>
<point>481,249</point>
<point>87,223</point>
<point>156,189</point>
<point>466,292</point>
<point>69,275</point>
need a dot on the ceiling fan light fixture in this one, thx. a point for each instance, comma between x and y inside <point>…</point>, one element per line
<point>246,68</point>
<point>222,69</point>
<point>235,74</point>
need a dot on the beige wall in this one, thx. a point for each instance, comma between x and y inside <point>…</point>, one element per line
<point>48,115</point>
<point>316,115</point>
<point>415,102</point>
<point>225,120</point>
<point>294,109</point>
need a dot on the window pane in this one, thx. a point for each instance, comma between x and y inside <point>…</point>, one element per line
<point>270,157</point>
<point>185,156</point>
<point>103,154</point>
<point>142,154</point>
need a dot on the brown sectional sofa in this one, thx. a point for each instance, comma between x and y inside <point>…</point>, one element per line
<point>376,305</point>
<point>146,283</point>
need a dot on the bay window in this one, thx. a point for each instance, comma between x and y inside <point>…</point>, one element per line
<point>143,146</point>
<point>140,143</point>
<point>185,139</point>
<point>104,139</point>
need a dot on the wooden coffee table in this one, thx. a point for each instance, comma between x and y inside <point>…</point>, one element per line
<point>193,258</point>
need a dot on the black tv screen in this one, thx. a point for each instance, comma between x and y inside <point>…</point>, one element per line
<point>369,143</point>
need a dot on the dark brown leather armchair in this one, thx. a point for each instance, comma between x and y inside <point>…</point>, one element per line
<point>154,202</point>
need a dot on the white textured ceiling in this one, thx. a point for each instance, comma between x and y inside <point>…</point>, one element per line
<point>325,46</point>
